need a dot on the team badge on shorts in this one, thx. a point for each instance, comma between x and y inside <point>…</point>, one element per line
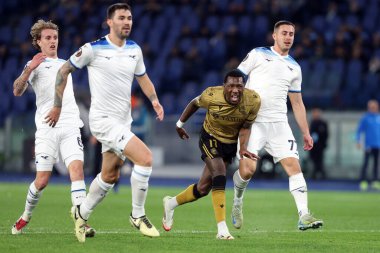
<point>214,151</point>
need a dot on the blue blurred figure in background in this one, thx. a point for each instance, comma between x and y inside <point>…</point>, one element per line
<point>369,126</point>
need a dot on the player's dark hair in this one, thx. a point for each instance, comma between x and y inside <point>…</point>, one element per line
<point>119,6</point>
<point>234,73</point>
<point>282,22</point>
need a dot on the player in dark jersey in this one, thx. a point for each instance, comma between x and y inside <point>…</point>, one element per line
<point>231,110</point>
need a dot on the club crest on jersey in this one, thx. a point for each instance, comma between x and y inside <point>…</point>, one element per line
<point>79,52</point>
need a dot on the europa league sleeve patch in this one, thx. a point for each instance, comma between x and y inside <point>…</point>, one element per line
<point>78,53</point>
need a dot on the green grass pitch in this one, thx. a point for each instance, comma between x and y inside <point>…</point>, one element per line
<point>352,223</point>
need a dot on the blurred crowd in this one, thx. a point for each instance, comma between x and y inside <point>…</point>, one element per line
<point>188,44</point>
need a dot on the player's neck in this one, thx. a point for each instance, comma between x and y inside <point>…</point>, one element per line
<point>116,40</point>
<point>278,50</point>
<point>51,55</point>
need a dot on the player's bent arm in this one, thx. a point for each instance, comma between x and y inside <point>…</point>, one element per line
<point>190,109</point>
<point>61,81</point>
<point>21,83</point>
<point>299,111</point>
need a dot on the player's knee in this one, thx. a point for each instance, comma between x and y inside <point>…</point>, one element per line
<point>41,183</point>
<point>247,168</point>
<point>200,191</point>
<point>146,160</point>
<point>111,177</point>
<point>247,173</point>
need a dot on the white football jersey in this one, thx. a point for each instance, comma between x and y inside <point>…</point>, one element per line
<point>272,76</point>
<point>111,70</point>
<point>42,79</point>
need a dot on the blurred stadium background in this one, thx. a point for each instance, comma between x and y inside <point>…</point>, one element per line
<point>187,46</point>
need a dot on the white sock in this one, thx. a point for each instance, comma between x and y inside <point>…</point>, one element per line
<point>173,203</point>
<point>78,192</point>
<point>222,228</point>
<point>139,184</point>
<point>239,186</point>
<point>97,192</point>
<point>298,188</point>
<point>31,201</point>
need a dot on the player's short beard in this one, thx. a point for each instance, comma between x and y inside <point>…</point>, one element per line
<point>123,36</point>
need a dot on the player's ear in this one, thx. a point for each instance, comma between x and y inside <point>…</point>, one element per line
<point>109,22</point>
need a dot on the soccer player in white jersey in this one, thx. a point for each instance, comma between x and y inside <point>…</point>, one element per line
<point>65,138</point>
<point>274,75</point>
<point>112,62</point>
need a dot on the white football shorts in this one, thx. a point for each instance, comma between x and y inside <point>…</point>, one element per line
<point>114,134</point>
<point>50,142</point>
<point>275,137</point>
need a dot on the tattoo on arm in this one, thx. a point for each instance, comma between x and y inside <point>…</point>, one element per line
<point>21,83</point>
<point>58,94</point>
<point>61,81</point>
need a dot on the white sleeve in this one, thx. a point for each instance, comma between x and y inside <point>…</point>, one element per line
<point>249,62</point>
<point>82,57</point>
<point>295,86</point>
<point>140,67</point>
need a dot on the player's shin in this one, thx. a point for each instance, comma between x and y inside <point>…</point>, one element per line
<point>190,194</point>
<point>298,188</point>
<point>239,185</point>
<point>139,184</point>
<point>97,192</point>
<point>32,199</point>
<point>219,197</point>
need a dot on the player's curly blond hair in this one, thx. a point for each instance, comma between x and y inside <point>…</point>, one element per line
<point>37,28</point>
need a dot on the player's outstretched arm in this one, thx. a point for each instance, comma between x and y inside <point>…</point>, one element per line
<point>150,92</point>
<point>60,85</point>
<point>190,109</point>
<point>21,83</point>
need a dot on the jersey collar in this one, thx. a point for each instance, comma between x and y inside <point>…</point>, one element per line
<point>282,56</point>
<point>112,44</point>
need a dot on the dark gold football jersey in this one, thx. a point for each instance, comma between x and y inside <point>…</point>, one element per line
<point>223,120</point>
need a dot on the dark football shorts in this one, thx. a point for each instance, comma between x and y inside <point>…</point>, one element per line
<point>212,148</point>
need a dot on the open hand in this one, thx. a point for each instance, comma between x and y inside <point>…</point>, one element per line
<point>53,116</point>
<point>158,109</point>
<point>246,153</point>
<point>182,133</point>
